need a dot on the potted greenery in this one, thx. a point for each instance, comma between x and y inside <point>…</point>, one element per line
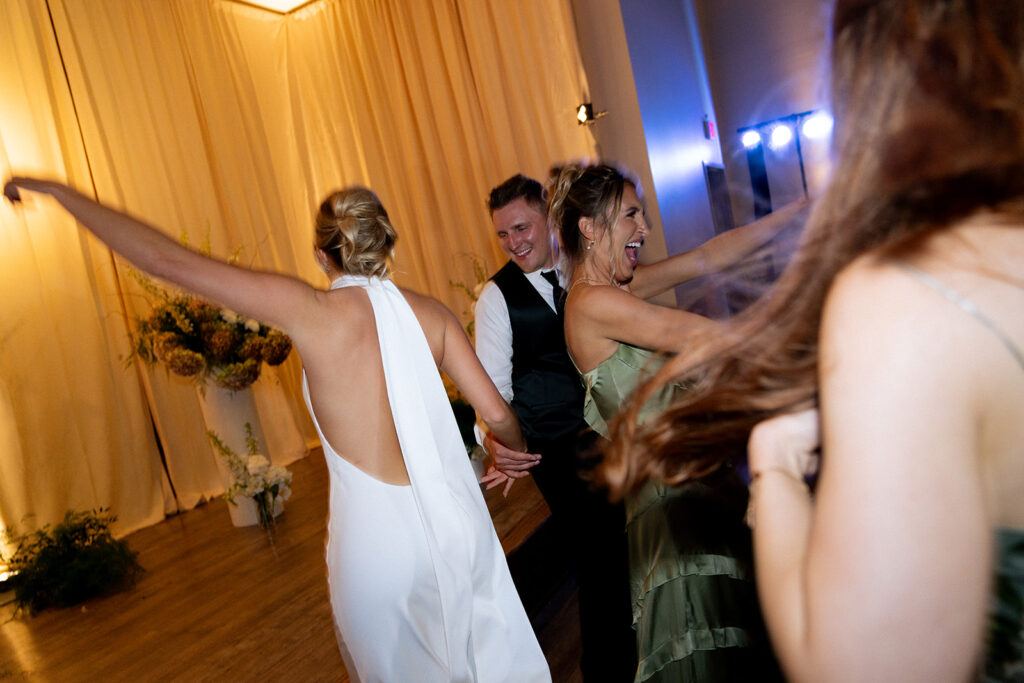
<point>69,563</point>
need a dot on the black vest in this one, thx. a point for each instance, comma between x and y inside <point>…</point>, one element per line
<point>547,391</point>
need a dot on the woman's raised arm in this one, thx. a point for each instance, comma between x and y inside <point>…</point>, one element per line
<point>276,299</point>
<point>716,254</point>
<point>613,314</point>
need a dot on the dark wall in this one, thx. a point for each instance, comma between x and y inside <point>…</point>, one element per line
<point>672,90</point>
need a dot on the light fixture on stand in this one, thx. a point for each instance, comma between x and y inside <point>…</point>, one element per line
<point>780,132</point>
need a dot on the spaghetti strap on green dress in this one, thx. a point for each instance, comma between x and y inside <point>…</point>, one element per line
<point>695,607</point>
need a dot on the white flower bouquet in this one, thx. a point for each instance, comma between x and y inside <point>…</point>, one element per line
<point>253,476</point>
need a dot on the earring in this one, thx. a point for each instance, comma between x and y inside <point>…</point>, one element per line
<point>590,243</point>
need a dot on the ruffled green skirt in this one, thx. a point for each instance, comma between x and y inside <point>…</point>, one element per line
<point>695,605</point>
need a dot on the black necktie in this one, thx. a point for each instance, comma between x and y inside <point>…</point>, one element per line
<point>557,293</point>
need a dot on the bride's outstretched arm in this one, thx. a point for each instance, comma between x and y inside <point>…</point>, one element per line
<point>275,299</point>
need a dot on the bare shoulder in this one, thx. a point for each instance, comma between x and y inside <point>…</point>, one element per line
<point>342,313</point>
<point>436,319</point>
<point>887,318</point>
<point>935,286</point>
<point>878,286</point>
<point>426,307</point>
<point>873,298</point>
<point>592,301</point>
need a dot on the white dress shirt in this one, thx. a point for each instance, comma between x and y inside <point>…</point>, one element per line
<point>493,330</point>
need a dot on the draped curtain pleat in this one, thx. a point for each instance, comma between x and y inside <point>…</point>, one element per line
<point>74,425</point>
<point>227,124</point>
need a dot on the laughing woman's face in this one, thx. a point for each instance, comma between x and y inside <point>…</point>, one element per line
<point>620,246</point>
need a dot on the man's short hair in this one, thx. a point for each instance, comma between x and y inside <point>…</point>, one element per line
<point>512,189</point>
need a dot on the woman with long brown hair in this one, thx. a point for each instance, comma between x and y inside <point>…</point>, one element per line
<point>900,318</point>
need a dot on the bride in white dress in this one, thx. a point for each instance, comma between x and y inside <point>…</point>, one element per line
<point>419,586</point>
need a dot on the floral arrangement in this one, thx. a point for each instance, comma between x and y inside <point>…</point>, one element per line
<point>254,477</point>
<point>194,338</point>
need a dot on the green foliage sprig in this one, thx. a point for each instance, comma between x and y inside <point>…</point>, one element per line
<point>67,564</point>
<point>471,291</point>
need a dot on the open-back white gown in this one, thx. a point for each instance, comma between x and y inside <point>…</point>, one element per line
<point>419,585</point>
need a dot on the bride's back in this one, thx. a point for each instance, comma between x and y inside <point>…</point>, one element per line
<point>341,355</point>
<point>345,374</point>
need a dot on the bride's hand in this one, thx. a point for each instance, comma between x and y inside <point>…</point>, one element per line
<point>495,477</point>
<point>14,185</point>
<point>11,191</point>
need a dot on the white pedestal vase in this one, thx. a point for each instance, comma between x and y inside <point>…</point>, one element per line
<point>244,512</point>
<point>227,413</point>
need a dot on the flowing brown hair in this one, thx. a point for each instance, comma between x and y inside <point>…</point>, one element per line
<point>928,98</point>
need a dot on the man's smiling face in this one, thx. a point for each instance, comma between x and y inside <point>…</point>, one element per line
<point>523,234</point>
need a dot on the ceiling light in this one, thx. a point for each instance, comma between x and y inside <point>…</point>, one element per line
<point>282,6</point>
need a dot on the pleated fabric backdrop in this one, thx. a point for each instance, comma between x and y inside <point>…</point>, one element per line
<point>228,124</point>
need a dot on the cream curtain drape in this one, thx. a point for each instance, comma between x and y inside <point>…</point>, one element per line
<point>228,123</point>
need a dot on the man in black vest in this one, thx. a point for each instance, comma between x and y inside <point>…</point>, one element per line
<point>520,342</point>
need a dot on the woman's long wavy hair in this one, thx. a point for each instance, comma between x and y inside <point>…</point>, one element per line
<point>928,99</point>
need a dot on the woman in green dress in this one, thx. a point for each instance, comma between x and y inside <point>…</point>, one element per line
<point>694,600</point>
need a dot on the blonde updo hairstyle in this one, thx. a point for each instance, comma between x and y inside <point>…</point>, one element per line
<point>580,190</point>
<point>354,230</point>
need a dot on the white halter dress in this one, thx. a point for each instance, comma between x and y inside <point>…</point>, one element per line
<point>419,586</point>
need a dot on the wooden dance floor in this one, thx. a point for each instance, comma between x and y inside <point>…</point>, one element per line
<point>219,603</point>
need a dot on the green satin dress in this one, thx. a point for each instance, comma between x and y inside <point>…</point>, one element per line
<point>1004,658</point>
<point>695,607</point>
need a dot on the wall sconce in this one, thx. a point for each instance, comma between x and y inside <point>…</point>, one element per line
<point>585,114</point>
